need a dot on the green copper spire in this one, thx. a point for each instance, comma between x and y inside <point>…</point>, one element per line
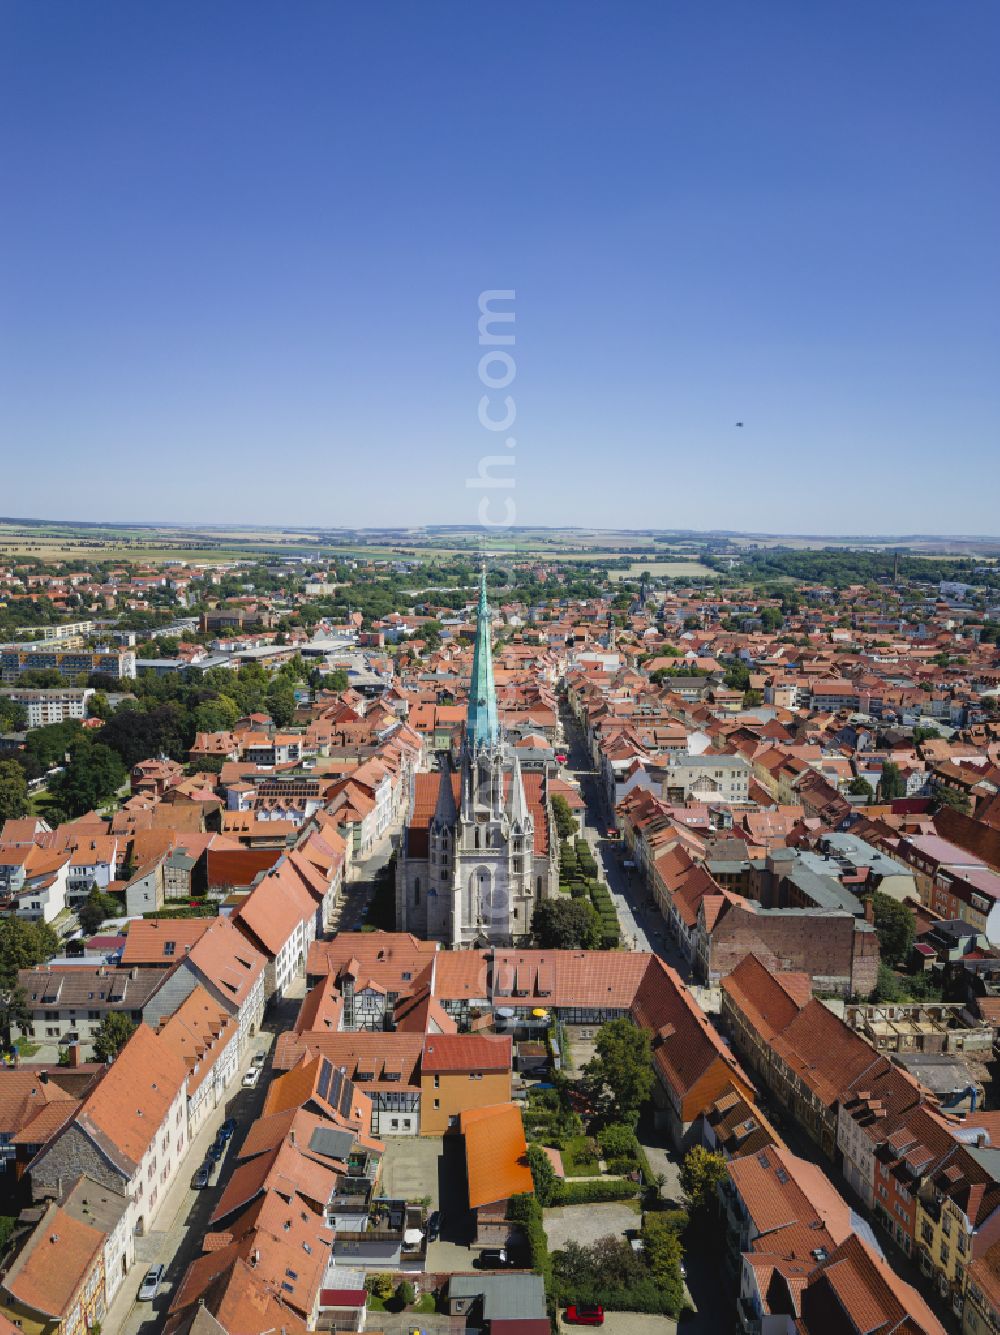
<point>481,725</point>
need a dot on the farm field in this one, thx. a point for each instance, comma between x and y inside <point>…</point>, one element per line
<point>674,569</point>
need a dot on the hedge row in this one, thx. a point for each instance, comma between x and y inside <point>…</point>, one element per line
<point>601,899</point>
<point>525,1211</point>
<point>589,1193</point>
<point>645,1295</point>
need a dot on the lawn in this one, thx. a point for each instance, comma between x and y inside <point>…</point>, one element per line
<point>580,1157</point>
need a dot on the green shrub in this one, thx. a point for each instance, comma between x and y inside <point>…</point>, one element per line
<point>379,1286</point>
<point>588,1193</point>
<point>527,1212</point>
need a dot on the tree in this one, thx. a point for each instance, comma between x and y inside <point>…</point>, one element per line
<point>890,986</point>
<point>566,823</point>
<point>97,908</point>
<point>13,1012</point>
<point>701,1173</point>
<point>896,928</point>
<point>737,676</point>
<point>405,1294</point>
<point>13,715</point>
<point>22,946</point>
<point>430,633</point>
<point>616,1141</point>
<point>94,773</point>
<point>99,706</point>
<point>663,1252</point>
<point>280,700</point>
<point>892,782</point>
<point>948,797</point>
<point>13,791</point>
<point>218,715</point>
<point>112,1034</point>
<point>379,1286</point>
<point>566,924</point>
<point>860,787</point>
<point>620,1074</point>
<point>542,1174</point>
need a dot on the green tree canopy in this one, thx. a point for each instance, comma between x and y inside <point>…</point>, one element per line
<point>13,791</point>
<point>96,909</point>
<point>663,1254</point>
<point>620,1073</point>
<point>896,928</point>
<point>948,797</point>
<point>280,701</point>
<point>13,715</point>
<point>566,823</point>
<point>111,1035</point>
<point>94,773</point>
<point>543,1174</point>
<point>566,924</point>
<point>701,1173</point>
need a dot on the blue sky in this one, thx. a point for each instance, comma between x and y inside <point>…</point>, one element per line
<point>242,243</point>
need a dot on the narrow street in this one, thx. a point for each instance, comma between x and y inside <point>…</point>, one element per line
<point>356,894</point>
<point>182,1222</point>
<point>643,922</point>
<point>642,925</point>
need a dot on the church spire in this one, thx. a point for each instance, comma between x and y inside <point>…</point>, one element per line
<point>481,723</point>
<point>518,801</point>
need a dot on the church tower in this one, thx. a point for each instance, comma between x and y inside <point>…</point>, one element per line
<point>482,876</point>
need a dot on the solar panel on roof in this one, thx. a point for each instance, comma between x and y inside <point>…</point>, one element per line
<point>325,1074</point>
<point>331,1143</point>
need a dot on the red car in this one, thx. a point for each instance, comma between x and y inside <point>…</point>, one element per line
<point>585,1314</point>
<point>561,758</point>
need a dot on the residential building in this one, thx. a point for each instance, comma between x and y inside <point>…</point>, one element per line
<point>57,704</point>
<point>130,1132</point>
<point>459,1072</point>
<point>68,1003</point>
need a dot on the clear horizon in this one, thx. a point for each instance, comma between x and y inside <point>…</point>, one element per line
<point>243,249</point>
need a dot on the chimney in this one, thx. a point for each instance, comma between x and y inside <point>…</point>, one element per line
<point>43,1077</point>
<point>74,1054</point>
<point>870,910</point>
<point>291,1135</point>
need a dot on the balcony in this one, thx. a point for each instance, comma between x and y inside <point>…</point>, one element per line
<point>750,1322</point>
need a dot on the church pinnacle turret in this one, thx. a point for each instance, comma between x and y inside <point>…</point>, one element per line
<point>482,728</point>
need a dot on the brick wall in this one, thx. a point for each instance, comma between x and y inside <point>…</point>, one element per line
<point>831,946</point>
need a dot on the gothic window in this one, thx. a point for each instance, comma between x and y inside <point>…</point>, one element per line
<point>416,891</point>
<point>477,837</point>
<point>538,887</point>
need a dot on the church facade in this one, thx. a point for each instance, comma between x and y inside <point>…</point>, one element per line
<point>478,851</point>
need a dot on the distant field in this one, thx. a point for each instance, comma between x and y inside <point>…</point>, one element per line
<point>66,539</point>
<point>673,569</point>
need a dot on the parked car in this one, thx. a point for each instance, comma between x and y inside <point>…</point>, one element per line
<point>493,1258</point>
<point>150,1286</point>
<point>251,1079</point>
<point>584,1314</point>
<point>561,757</point>
<point>200,1179</point>
<point>215,1151</point>
<point>434,1225</point>
<point>227,1130</point>
<point>257,1061</point>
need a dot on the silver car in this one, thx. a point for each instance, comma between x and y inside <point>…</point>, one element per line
<point>150,1286</point>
